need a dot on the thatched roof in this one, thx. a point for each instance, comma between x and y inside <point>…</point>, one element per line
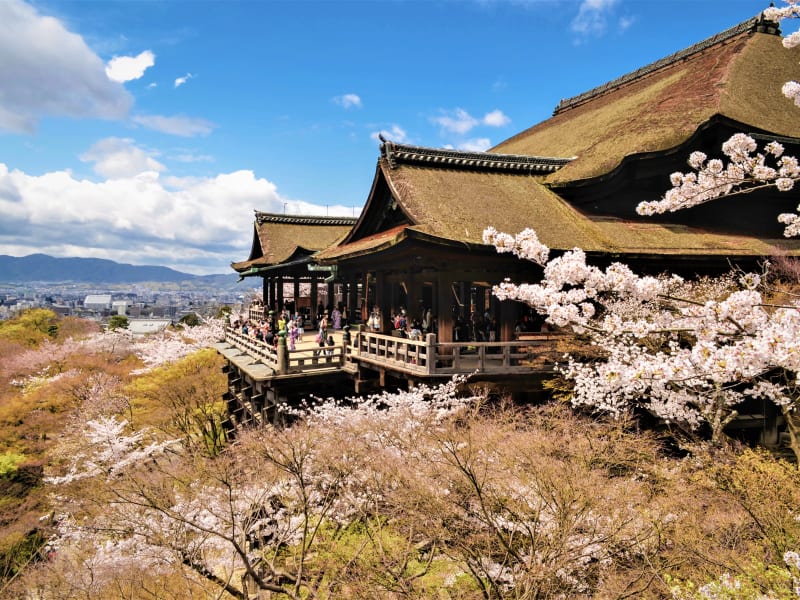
<point>456,204</point>
<point>280,238</point>
<point>447,196</point>
<point>737,74</point>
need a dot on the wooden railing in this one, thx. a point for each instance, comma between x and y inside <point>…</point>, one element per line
<point>304,361</point>
<point>532,352</point>
<point>255,348</point>
<point>410,356</point>
<point>283,360</point>
<point>424,357</point>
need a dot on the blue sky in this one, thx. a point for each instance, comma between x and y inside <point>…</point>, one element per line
<point>148,131</point>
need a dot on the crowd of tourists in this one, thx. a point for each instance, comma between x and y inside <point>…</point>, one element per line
<point>296,325</point>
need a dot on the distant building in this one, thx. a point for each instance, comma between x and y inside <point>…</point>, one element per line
<point>145,326</point>
<point>61,309</point>
<point>98,302</point>
<point>120,307</point>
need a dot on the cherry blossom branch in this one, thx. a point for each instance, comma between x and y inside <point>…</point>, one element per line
<point>746,171</point>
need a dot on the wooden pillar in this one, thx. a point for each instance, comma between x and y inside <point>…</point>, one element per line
<point>392,299</point>
<point>464,295</point>
<point>279,298</point>
<point>414,287</point>
<point>480,299</point>
<point>443,312</point>
<point>381,297</point>
<point>273,286</point>
<point>351,298</point>
<point>314,300</point>
<point>265,292</point>
<point>507,319</point>
<point>770,434</point>
<point>331,300</point>
<point>296,291</point>
<point>366,299</point>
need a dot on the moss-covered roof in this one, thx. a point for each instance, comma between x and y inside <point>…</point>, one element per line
<point>737,75</point>
<point>457,204</point>
<point>278,238</point>
<point>453,196</point>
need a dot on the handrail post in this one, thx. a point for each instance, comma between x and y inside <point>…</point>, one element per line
<point>345,343</point>
<point>283,353</point>
<point>430,353</point>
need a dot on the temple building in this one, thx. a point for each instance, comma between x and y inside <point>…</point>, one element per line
<point>575,178</point>
<point>282,252</point>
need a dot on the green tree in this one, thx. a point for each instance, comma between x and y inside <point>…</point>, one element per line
<point>118,322</point>
<point>31,327</point>
<point>190,320</point>
<point>185,398</point>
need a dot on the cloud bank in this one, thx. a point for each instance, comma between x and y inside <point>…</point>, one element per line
<point>47,71</point>
<point>196,225</point>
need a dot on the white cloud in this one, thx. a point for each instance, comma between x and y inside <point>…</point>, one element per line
<point>127,68</point>
<point>592,17</point>
<point>181,80</point>
<point>475,145</point>
<point>117,158</point>
<point>625,23</point>
<point>178,125</point>
<point>46,70</point>
<point>458,121</point>
<point>195,224</point>
<point>395,134</point>
<point>496,118</point>
<point>190,157</point>
<point>348,101</point>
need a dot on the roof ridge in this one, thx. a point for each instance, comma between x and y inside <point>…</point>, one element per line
<point>405,153</point>
<point>755,24</point>
<point>263,217</point>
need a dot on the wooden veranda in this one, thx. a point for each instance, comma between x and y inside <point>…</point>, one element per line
<point>264,380</point>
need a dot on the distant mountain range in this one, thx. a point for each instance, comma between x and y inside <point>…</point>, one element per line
<point>44,268</point>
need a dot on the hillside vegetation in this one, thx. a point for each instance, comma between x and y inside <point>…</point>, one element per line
<point>117,481</point>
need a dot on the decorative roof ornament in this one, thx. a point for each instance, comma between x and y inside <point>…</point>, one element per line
<point>395,154</point>
<point>262,217</point>
<point>759,24</point>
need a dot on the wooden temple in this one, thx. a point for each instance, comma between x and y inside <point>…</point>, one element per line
<point>575,178</point>
<point>282,255</point>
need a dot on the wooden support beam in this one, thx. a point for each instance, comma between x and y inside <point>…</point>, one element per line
<point>443,312</point>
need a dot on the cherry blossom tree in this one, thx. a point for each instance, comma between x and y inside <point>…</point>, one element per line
<point>689,352</point>
<point>170,345</point>
<point>253,518</point>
